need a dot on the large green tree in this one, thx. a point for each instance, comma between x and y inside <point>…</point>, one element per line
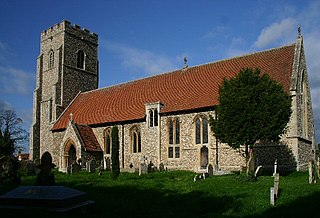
<point>251,107</point>
<point>12,135</point>
<point>115,152</point>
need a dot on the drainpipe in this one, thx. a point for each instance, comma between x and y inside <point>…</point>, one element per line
<point>217,144</point>
<point>122,145</point>
<point>159,137</point>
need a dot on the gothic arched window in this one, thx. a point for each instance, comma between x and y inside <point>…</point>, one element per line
<point>174,138</point>
<point>80,59</point>
<point>136,140</point>
<point>51,59</point>
<point>201,126</point>
<point>108,141</point>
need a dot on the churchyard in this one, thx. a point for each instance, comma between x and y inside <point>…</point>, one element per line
<point>177,194</point>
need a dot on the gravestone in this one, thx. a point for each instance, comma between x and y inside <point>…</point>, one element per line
<point>161,167</point>
<point>143,168</point>
<point>276,185</point>
<point>45,176</point>
<point>210,170</point>
<point>91,166</point>
<point>312,172</point>
<point>258,171</point>
<point>151,168</point>
<point>9,172</point>
<point>75,168</point>
<point>272,200</point>
<point>108,164</point>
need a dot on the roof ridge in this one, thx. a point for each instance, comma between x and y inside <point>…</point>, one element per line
<point>244,55</point>
<point>195,66</point>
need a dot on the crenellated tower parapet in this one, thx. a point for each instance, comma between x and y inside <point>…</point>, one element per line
<point>76,30</point>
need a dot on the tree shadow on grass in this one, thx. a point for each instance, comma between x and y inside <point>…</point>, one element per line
<point>132,201</point>
<point>136,202</point>
<point>302,207</point>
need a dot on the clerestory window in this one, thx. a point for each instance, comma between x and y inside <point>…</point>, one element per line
<point>153,117</point>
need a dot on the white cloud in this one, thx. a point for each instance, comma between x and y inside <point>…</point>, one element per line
<point>15,81</point>
<point>215,32</point>
<point>278,31</point>
<point>141,60</point>
<point>5,105</point>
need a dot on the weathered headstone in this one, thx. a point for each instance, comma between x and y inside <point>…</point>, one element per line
<point>312,177</point>
<point>108,164</point>
<point>150,167</point>
<point>100,169</point>
<point>258,171</point>
<point>91,166</point>
<point>143,168</point>
<point>272,199</point>
<point>210,170</point>
<point>75,168</point>
<point>161,167</point>
<point>276,185</point>
<point>46,177</point>
<point>10,167</point>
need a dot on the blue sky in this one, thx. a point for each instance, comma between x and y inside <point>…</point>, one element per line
<point>143,38</point>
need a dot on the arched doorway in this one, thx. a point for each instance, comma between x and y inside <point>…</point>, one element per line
<point>72,157</point>
<point>204,157</point>
<point>69,154</point>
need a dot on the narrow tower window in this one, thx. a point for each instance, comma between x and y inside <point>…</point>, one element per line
<point>80,59</point>
<point>51,59</point>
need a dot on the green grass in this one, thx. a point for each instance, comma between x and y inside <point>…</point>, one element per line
<point>174,194</point>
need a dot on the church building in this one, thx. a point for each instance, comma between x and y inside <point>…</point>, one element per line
<point>162,118</point>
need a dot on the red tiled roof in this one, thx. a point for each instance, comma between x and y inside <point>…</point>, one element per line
<point>89,139</point>
<point>23,156</point>
<point>181,90</point>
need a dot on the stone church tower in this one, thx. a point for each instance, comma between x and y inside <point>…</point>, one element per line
<point>67,65</point>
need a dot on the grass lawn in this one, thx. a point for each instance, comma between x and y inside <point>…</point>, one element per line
<point>175,194</point>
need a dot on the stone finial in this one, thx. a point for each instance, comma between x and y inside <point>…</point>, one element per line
<point>71,117</point>
<point>299,31</point>
<point>185,66</point>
